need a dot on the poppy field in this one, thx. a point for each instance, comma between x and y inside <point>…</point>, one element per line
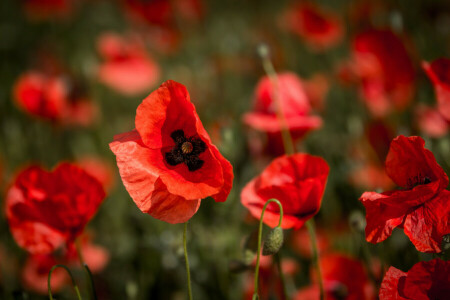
<point>195,149</point>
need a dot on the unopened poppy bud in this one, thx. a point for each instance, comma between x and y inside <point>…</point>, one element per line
<point>445,243</point>
<point>273,241</point>
<point>357,221</point>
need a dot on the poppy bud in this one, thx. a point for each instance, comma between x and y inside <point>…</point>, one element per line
<point>273,241</point>
<point>357,221</point>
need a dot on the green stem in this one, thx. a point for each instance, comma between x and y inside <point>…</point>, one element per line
<point>50,295</point>
<point>89,276</point>
<point>280,272</point>
<point>367,259</point>
<point>258,254</point>
<point>288,143</point>
<point>312,234</point>
<point>188,271</point>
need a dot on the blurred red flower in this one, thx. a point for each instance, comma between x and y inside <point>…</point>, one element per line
<point>385,69</point>
<point>295,107</point>
<point>168,163</point>
<point>57,98</point>
<point>343,278</point>
<point>425,280</point>
<point>46,210</point>
<point>127,67</point>
<point>301,242</point>
<point>297,181</point>
<point>439,73</point>
<point>420,208</point>
<point>320,28</point>
<point>37,266</point>
<point>35,274</point>
<point>431,122</point>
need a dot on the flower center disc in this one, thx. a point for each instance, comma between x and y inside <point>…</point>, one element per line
<point>187,147</point>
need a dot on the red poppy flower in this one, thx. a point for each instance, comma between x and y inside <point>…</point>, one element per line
<point>45,210</point>
<point>295,107</point>
<point>439,73</point>
<point>318,27</point>
<point>384,67</point>
<point>420,208</point>
<point>54,97</point>
<point>431,122</point>
<point>297,181</point>
<point>35,274</point>
<point>343,278</point>
<point>99,169</point>
<point>127,67</point>
<point>425,280</point>
<point>168,164</point>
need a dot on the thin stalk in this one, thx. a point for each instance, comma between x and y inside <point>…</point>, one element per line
<point>188,271</point>
<point>312,234</point>
<point>50,295</point>
<point>89,276</point>
<point>367,259</point>
<point>258,254</point>
<point>280,272</point>
<point>288,143</point>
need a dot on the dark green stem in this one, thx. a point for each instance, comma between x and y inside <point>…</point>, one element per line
<point>50,295</point>
<point>280,272</point>
<point>312,235</point>
<point>188,271</point>
<point>89,276</point>
<point>258,254</point>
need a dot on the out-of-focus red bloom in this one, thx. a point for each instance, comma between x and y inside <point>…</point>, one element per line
<point>439,73</point>
<point>99,169</point>
<point>297,181</point>
<point>431,122</point>
<point>168,163</point>
<point>371,176</point>
<point>301,242</point>
<point>421,207</point>
<point>267,273</point>
<point>384,67</point>
<point>53,97</point>
<point>127,67</point>
<point>96,257</point>
<point>425,280</point>
<point>45,9</point>
<point>318,27</point>
<point>35,274</point>
<point>316,89</point>
<point>46,210</point>
<point>343,278</point>
<point>294,105</point>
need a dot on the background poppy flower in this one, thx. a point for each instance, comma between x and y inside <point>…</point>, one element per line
<point>318,27</point>
<point>127,67</point>
<point>57,98</point>
<point>294,103</point>
<point>343,277</point>
<point>420,208</point>
<point>439,73</point>
<point>425,280</point>
<point>168,164</point>
<point>385,70</point>
<point>297,181</point>
<point>431,122</point>
<point>45,210</point>
<point>47,9</point>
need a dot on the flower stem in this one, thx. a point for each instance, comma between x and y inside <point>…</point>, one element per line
<point>288,143</point>
<point>280,273</point>
<point>188,271</point>
<point>50,295</point>
<point>258,254</point>
<point>312,234</point>
<point>89,276</point>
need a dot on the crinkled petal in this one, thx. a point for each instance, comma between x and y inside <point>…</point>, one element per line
<point>389,286</point>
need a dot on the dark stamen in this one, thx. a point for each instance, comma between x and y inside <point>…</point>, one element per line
<point>186,150</point>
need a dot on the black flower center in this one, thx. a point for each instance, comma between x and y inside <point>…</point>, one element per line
<point>186,150</point>
<point>418,180</point>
